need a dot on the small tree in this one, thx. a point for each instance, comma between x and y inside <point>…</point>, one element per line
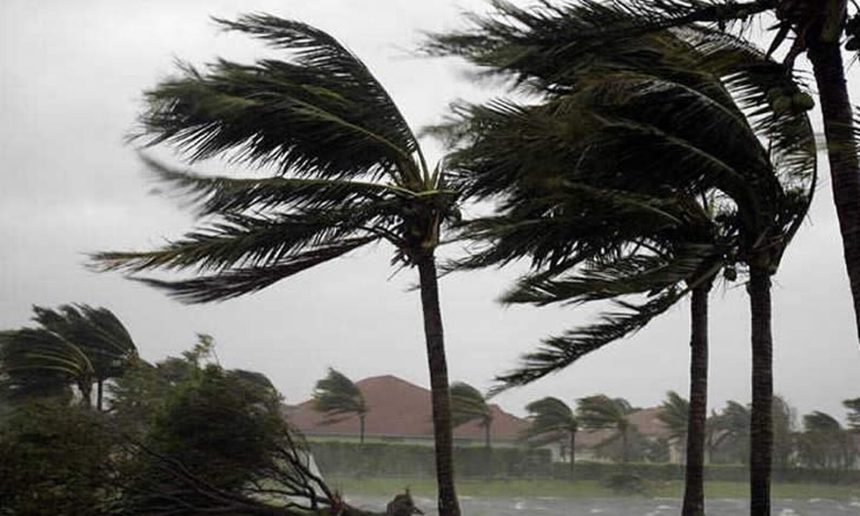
<point>338,398</point>
<point>552,420</point>
<point>674,414</point>
<point>468,404</point>
<point>600,412</point>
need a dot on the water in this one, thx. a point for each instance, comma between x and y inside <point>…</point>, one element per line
<point>474,506</point>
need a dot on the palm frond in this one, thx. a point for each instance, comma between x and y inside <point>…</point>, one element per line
<point>556,353</point>
<point>626,275</point>
<point>238,281</point>
<point>224,195</point>
<point>322,114</point>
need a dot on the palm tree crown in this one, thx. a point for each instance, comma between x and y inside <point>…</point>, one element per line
<point>338,398</point>
<point>552,420</point>
<point>468,404</point>
<point>600,412</point>
<point>74,344</point>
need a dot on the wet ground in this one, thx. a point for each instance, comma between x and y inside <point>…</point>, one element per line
<point>623,507</point>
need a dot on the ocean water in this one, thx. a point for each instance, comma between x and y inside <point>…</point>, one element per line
<point>474,506</point>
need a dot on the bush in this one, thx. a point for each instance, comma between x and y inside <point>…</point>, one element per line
<point>55,456</point>
<point>626,484</point>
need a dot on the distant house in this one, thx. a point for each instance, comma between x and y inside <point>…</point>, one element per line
<point>400,411</point>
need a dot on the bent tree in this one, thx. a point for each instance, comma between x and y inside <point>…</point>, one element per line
<point>338,398</point>
<point>817,29</point>
<point>552,420</point>
<point>651,120</point>
<point>347,172</point>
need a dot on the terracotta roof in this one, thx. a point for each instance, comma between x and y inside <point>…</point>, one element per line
<point>399,409</point>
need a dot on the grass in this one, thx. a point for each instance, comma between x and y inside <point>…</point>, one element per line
<point>385,487</point>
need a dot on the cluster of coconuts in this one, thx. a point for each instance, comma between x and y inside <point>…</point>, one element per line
<point>852,30</point>
<point>789,100</point>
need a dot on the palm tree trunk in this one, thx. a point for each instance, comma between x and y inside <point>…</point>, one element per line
<point>572,452</point>
<point>836,111</point>
<point>100,383</point>
<point>361,429</point>
<point>625,451</point>
<point>488,450</point>
<point>761,424</point>
<point>448,505</point>
<point>86,389</point>
<point>694,488</point>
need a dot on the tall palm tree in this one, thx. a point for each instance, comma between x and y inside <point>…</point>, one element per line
<point>338,398</point>
<point>346,172</point>
<point>74,344</point>
<point>566,32</point>
<point>665,116</point>
<point>675,414</point>
<point>469,404</point>
<point>551,420</point>
<point>600,412</point>
<point>684,111</point>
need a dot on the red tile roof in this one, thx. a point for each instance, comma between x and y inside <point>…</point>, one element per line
<point>400,409</point>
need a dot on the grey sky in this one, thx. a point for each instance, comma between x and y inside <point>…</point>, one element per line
<point>71,75</point>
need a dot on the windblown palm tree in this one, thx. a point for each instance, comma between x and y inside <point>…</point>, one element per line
<point>347,171</point>
<point>75,344</point>
<point>552,420</point>
<point>468,404</point>
<point>853,407</point>
<point>600,412</point>
<point>651,120</point>
<point>824,443</point>
<point>675,414</point>
<point>568,32</point>
<point>338,398</point>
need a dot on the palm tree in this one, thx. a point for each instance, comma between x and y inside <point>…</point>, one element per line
<point>549,34</point>
<point>74,344</point>
<point>600,412</point>
<point>665,117</point>
<point>338,398</point>
<point>824,443</point>
<point>468,404</point>
<point>347,172</point>
<point>675,414</point>
<point>732,425</point>
<point>853,407</point>
<point>551,420</point>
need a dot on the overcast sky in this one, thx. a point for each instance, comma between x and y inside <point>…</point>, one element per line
<point>71,77</point>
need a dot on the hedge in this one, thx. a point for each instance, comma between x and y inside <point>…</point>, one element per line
<point>403,460</point>
<point>336,458</point>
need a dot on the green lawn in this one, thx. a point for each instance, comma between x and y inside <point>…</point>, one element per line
<point>578,489</point>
